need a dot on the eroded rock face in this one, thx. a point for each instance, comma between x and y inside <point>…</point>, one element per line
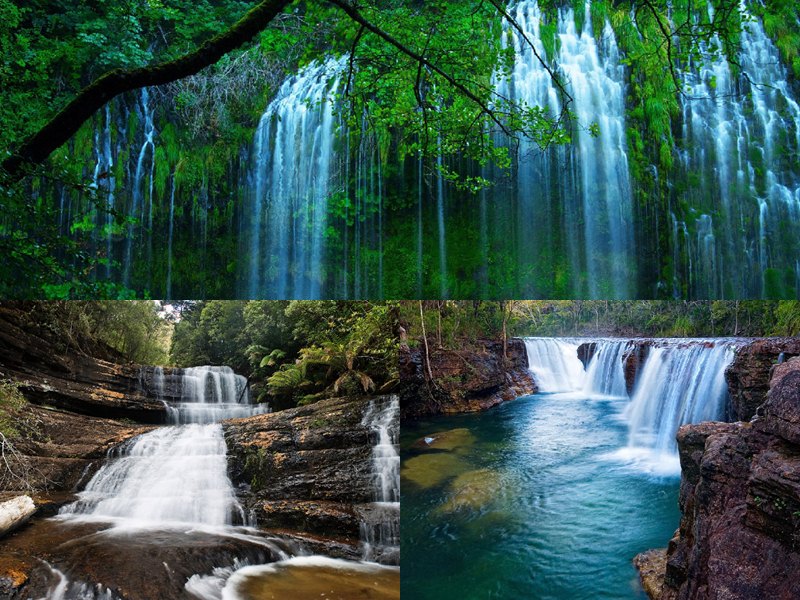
<point>748,376</point>
<point>466,381</point>
<point>65,378</point>
<point>68,448</point>
<point>307,469</point>
<point>739,535</point>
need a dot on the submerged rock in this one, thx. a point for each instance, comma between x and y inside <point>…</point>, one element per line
<point>454,439</point>
<point>472,491</point>
<point>431,469</point>
<point>316,578</point>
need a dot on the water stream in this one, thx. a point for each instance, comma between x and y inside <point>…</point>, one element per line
<point>552,495</point>
<point>380,530</point>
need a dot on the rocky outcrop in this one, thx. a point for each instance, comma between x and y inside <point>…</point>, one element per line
<point>66,448</point>
<point>307,469</point>
<point>468,380</point>
<point>748,376</point>
<point>52,375</point>
<point>739,535</point>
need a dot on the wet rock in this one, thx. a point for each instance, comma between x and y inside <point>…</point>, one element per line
<point>135,565</point>
<point>634,359</point>
<point>453,439</point>
<point>586,352</point>
<point>652,565</point>
<point>468,380</point>
<point>336,519</point>
<point>307,469</point>
<point>748,376</point>
<point>739,535</point>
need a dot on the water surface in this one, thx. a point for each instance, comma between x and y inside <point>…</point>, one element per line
<point>529,500</point>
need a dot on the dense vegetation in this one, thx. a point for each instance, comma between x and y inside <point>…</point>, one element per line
<point>293,352</point>
<point>395,107</point>
<point>451,324</point>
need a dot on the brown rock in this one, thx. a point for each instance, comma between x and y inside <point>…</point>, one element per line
<point>739,535</point>
<point>652,565</point>
<point>305,469</point>
<point>50,373</point>
<point>468,380</point>
<point>748,376</point>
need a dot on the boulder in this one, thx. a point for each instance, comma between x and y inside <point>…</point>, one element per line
<point>306,469</point>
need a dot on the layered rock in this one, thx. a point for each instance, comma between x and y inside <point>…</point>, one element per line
<point>739,535</point>
<point>66,449</point>
<point>307,469</point>
<point>748,376</point>
<point>468,380</point>
<point>54,375</point>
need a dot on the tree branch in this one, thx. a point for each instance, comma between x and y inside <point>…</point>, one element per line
<point>92,98</point>
<point>352,12</point>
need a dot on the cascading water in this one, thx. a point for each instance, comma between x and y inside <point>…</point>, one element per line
<point>555,364</point>
<point>142,180</point>
<point>740,130</point>
<point>604,372</point>
<point>173,475</point>
<point>103,179</point>
<point>680,382</point>
<point>595,189</point>
<point>380,529</point>
<point>294,150</point>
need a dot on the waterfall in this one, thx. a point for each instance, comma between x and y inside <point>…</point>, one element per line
<point>588,181</point>
<point>103,179</point>
<point>294,150</point>
<point>170,236</point>
<point>137,210</point>
<point>604,373</point>
<point>440,221</point>
<point>174,475</point>
<point>740,130</point>
<point>380,527</point>
<point>555,364</point>
<point>681,382</point>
